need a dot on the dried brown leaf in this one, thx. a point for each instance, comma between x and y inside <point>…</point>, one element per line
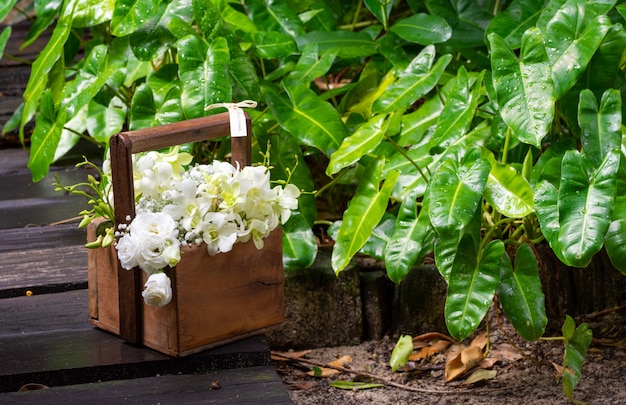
<point>506,352</point>
<point>480,375</point>
<point>480,341</point>
<point>462,362</point>
<point>341,362</point>
<point>430,336</point>
<point>427,351</point>
<point>323,372</point>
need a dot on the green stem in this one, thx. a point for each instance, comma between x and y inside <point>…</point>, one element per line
<point>507,144</point>
<point>329,184</point>
<point>407,157</point>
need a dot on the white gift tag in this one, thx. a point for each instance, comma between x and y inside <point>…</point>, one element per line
<point>238,127</point>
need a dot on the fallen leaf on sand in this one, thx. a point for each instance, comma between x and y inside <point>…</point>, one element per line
<point>459,362</point>
<point>340,362</point>
<point>480,375</point>
<point>323,372</point>
<point>436,347</point>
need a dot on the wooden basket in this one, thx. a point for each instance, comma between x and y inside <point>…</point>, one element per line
<point>216,299</point>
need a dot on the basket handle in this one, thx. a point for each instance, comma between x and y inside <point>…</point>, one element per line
<point>123,146</point>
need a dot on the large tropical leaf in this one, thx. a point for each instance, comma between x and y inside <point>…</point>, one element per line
<point>569,47</point>
<point>517,18</point>
<point>413,82</point>
<point>299,244</point>
<point>412,236</point>
<point>203,74</point>
<point>524,88</point>
<point>366,209</point>
<point>473,284</point>
<point>130,15</point>
<point>45,138</point>
<point>615,237</point>
<point>455,193</point>
<point>381,9</point>
<point>586,198</point>
<point>507,190</point>
<point>366,137</point>
<point>89,13</point>
<point>313,64</point>
<point>424,29</point>
<point>457,113</point>
<point>275,15</point>
<point>47,58</point>
<point>521,294</point>
<point>347,44</point>
<point>601,127</point>
<point>313,121</point>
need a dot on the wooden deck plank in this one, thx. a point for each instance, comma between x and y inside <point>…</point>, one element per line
<point>255,385</point>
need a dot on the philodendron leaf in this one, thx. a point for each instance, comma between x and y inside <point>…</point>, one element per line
<point>424,29</point>
<point>6,8</point>
<point>203,74</point>
<point>44,63</point>
<point>364,140</point>
<point>615,237</point>
<point>412,234</point>
<point>89,13</point>
<point>366,209</point>
<point>347,44</point>
<point>45,138</point>
<point>312,64</point>
<point>272,44</point>
<point>547,209</point>
<point>275,16</point>
<point>458,112</point>
<point>508,191</point>
<point>456,191</point>
<point>413,82</point>
<point>380,9</point>
<point>103,122</point>
<point>4,38</point>
<point>570,49</point>
<point>130,15</point>
<point>521,294</point>
<point>313,121</point>
<point>601,127</point>
<point>401,352</point>
<point>585,204</point>
<point>524,88</point>
<point>577,342</point>
<point>512,22</point>
<point>299,245</point>
<point>472,286</point>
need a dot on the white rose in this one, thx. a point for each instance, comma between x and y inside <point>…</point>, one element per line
<point>158,290</point>
<point>127,252</point>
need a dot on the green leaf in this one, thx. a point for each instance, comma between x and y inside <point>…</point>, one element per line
<point>104,122</point>
<point>130,15</point>
<point>570,49</point>
<point>423,29</point>
<point>524,89</point>
<point>347,44</point>
<point>411,237</point>
<point>354,385</point>
<point>152,39</point>
<point>472,286</point>
<point>89,13</point>
<point>87,83</point>
<point>577,342</point>
<point>381,9</point>
<point>466,18</point>
<point>458,112</point>
<point>615,237</point>
<point>517,18</point>
<point>313,121</point>
<point>546,207</point>
<point>366,137</point>
<point>601,127</point>
<point>416,124</point>
<point>507,190</point>
<point>299,245</point>
<point>6,8</point>
<point>375,245</point>
<point>456,193</point>
<point>47,58</point>
<point>413,82</point>
<point>272,44</point>
<point>365,211</point>
<point>148,112</point>
<point>276,15</point>
<point>586,198</point>
<point>521,294</point>
<point>4,38</point>
<point>312,64</point>
<point>401,352</point>
<point>45,138</point>
<point>203,74</point>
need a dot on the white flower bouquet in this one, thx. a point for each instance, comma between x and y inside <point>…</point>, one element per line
<point>179,204</point>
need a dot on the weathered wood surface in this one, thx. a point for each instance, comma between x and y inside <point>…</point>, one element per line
<point>254,385</point>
